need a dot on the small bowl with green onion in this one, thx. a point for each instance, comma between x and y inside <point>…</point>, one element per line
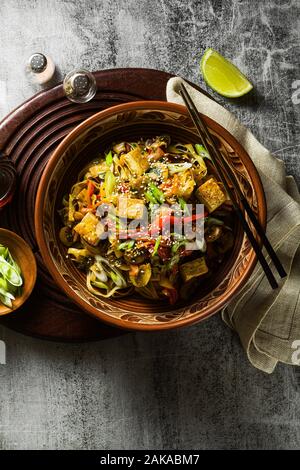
<point>17,271</point>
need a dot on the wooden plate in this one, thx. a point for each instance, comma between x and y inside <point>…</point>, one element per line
<point>29,135</point>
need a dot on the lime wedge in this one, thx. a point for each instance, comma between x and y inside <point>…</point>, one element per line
<point>222,76</point>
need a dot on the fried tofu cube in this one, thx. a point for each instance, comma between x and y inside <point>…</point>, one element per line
<point>192,269</point>
<point>130,208</point>
<point>87,229</point>
<point>211,195</point>
<point>82,196</point>
<point>136,162</point>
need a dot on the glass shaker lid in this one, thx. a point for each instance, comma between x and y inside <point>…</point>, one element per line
<point>80,86</point>
<point>37,62</point>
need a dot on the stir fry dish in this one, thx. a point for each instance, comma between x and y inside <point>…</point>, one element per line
<point>124,220</point>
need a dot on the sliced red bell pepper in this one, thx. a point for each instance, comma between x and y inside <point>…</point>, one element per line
<point>173,220</point>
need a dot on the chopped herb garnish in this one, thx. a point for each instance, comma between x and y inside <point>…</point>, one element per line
<point>109,158</point>
<point>126,245</point>
<point>156,246</point>
<point>157,193</point>
<point>10,277</point>
<point>202,151</point>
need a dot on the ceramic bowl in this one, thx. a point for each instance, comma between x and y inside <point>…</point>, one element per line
<point>22,254</point>
<point>128,122</point>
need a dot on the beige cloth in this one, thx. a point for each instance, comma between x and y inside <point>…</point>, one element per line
<point>267,321</point>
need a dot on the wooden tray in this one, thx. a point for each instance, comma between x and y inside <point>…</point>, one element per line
<point>29,135</point>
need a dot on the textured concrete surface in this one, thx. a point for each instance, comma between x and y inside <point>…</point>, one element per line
<point>191,388</point>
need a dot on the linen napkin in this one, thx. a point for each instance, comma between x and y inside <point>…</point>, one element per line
<point>266,320</point>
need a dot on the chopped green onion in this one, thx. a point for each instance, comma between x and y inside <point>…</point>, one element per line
<point>182,203</point>
<point>178,167</point>
<point>157,193</point>
<point>6,301</point>
<point>177,245</point>
<point>183,206</point>
<point>6,294</point>
<point>213,221</point>
<point>12,262</point>
<point>126,245</point>
<point>109,158</point>
<point>10,273</point>
<point>99,284</point>
<point>202,151</point>
<point>117,279</point>
<point>156,246</point>
<point>10,277</point>
<point>109,183</point>
<point>102,264</point>
<point>149,196</point>
<point>117,220</point>
<point>173,261</point>
<point>3,251</point>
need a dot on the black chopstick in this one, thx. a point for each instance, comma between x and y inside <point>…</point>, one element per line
<point>255,222</point>
<point>243,200</point>
<point>226,174</point>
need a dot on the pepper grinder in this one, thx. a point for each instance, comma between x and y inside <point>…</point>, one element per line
<point>40,68</point>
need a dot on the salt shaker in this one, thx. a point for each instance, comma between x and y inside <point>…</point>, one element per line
<point>40,68</point>
<point>80,86</point>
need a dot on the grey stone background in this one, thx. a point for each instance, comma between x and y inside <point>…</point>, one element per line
<point>191,388</point>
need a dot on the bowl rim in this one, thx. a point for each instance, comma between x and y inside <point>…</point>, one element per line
<point>40,200</point>
<point>25,246</point>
